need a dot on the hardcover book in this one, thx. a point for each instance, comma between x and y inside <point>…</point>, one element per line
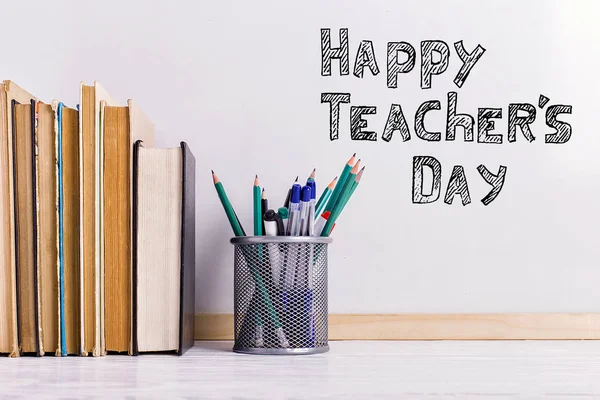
<point>163,249</point>
<point>26,227</point>
<point>9,342</point>
<point>46,189</point>
<point>67,128</point>
<point>123,126</point>
<point>91,151</point>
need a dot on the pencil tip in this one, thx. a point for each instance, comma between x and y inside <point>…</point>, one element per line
<point>362,169</point>
<point>354,155</point>
<point>255,176</point>
<point>212,171</point>
<point>297,178</point>
<point>332,183</point>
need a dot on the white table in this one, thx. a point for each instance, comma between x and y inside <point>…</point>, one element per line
<point>351,370</point>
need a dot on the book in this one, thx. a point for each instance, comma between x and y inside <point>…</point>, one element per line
<point>163,249</point>
<point>67,128</point>
<point>46,177</point>
<point>9,342</point>
<point>91,163</point>
<point>123,126</point>
<point>26,227</point>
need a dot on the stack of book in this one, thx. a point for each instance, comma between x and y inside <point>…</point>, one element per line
<point>96,229</point>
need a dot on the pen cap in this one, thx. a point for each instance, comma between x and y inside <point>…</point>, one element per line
<point>269,215</point>
<point>296,189</point>
<point>313,189</point>
<point>306,194</point>
<point>283,212</point>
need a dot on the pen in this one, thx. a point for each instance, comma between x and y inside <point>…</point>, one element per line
<point>294,216</point>
<point>279,222</point>
<point>286,203</point>
<point>270,219</point>
<point>293,230</point>
<point>270,223</point>
<point>264,206</point>
<point>283,213</point>
<point>312,206</point>
<point>304,210</point>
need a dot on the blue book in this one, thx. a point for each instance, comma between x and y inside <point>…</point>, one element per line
<point>61,231</point>
<point>67,155</point>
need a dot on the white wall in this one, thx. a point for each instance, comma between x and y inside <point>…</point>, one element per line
<point>240,82</point>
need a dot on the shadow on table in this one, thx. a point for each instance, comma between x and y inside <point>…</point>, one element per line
<point>215,345</point>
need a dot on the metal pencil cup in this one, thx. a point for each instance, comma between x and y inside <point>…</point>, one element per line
<point>280,294</point>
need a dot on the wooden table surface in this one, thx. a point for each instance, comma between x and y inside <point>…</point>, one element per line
<point>351,370</point>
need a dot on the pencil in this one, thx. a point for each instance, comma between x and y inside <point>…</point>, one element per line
<point>348,184</point>
<point>324,197</point>
<point>231,216</point>
<point>341,204</point>
<point>340,184</point>
<point>354,186</point>
<point>257,208</point>
<point>238,220</point>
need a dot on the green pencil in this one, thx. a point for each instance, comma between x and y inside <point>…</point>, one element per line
<point>354,186</point>
<point>231,216</point>
<point>340,184</point>
<point>257,208</point>
<point>324,197</point>
<point>239,231</point>
<point>349,182</point>
<point>342,203</point>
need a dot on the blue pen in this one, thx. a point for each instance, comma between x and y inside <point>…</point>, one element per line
<point>313,205</point>
<point>294,218</point>
<point>304,210</point>
<point>310,318</point>
<point>291,256</point>
<point>289,267</point>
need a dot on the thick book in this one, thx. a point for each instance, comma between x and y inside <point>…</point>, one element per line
<point>67,132</point>
<point>9,341</point>
<point>163,249</point>
<point>91,150</point>
<point>46,189</point>
<point>26,227</point>
<point>123,126</point>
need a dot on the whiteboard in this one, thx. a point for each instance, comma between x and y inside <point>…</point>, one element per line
<point>242,83</point>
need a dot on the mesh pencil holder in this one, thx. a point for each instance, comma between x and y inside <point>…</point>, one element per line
<point>280,294</point>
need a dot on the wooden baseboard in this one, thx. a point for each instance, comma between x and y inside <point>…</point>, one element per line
<point>559,326</point>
